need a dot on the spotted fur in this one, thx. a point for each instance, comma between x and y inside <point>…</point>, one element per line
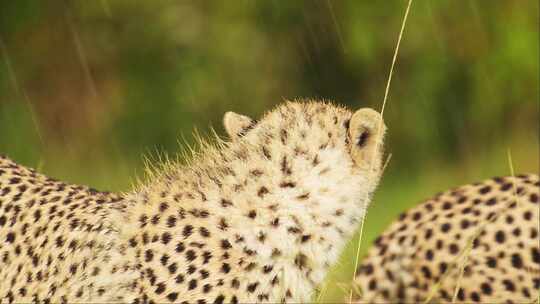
<point>427,245</point>
<point>257,219</point>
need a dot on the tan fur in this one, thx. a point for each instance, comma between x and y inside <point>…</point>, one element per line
<point>258,219</point>
<point>236,124</point>
<point>366,126</point>
<point>428,244</point>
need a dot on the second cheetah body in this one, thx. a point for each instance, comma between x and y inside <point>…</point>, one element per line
<point>478,243</point>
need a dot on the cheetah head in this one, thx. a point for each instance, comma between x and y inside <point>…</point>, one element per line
<point>307,127</point>
<point>320,164</point>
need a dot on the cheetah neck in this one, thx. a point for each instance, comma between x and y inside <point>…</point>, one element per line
<point>282,220</point>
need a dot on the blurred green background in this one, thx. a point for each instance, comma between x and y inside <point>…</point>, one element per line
<point>88,88</point>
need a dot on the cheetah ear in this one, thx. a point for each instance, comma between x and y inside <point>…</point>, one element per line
<point>366,133</point>
<point>237,125</point>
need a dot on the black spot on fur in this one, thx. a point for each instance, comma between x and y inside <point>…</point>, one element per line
<point>225,244</point>
<point>225,268</point>
<point>362,140</point>
<point>287,185</point>
<point>500,237</point>
<point>517,262</point>
<point>509,285</point>
<point>226,203</point>
<point>10,238</point>
<point>166,238</point>
<point>160,288</point>
<point>300,260</point>
<point>446,227</point>
<point>252,287</point>
<point>188,230</point>
<point>190,255</point>
<point>172,296</point>
<point>204,232</point>
<point>223,225</point>
<point>262,191</point>
<point>484,190</point>
<point>219,299</point>
<point>486,288</point>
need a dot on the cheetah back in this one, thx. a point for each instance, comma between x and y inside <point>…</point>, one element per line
<point>427,245</point>
<point>54,241</point>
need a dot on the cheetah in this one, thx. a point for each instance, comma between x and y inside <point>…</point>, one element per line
<point>257,218</point>
<point>477,243</point>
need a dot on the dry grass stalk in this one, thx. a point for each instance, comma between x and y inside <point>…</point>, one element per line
<point>380,127</point>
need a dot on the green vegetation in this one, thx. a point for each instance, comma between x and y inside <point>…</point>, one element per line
<point>87,88</point>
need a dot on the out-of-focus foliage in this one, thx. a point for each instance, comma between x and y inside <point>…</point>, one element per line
<point>89,87</point>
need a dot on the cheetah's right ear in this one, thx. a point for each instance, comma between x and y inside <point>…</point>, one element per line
<point>365,137</point>
<point>237,125</point>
